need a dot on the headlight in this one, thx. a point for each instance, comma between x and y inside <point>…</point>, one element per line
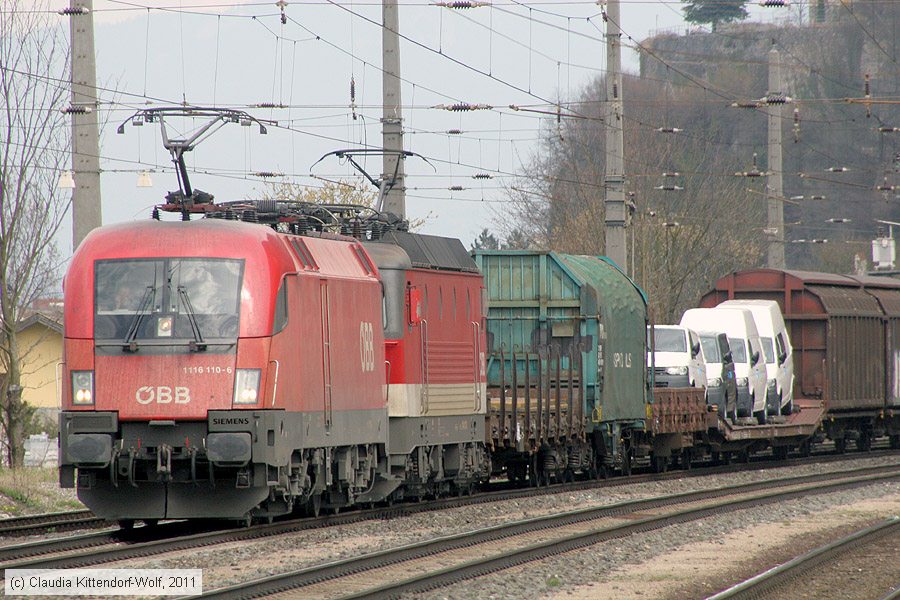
<point>676,370</point>
<point>246,386</point>
<point>714,382</point>
<point>742,381</point>
<point>83,388</point>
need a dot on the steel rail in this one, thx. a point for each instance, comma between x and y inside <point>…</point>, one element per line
<point>59,521</point>
<point>783,574</point>
<point>169,532</point>
<point>343,568</point>
<point>165,537</point>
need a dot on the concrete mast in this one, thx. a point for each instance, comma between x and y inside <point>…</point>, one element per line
<point>615,141</point>
<point>85,131</point>
<point>393,178</point>
<point>774,184</point>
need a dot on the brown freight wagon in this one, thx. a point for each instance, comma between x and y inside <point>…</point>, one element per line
<point>845,332</point>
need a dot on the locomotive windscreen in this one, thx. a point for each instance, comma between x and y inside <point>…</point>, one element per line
<point>171,300</point>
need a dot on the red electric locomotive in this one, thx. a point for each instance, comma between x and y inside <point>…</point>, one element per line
<point>218,368</point>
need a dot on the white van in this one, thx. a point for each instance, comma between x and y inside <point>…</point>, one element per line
<point>676,358</point>
<point>776,345</point>
<point>746,350</point>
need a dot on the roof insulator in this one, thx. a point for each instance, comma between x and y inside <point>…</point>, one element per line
<point>71,12</point>
<point>454,131</point>
<point>482,176</point>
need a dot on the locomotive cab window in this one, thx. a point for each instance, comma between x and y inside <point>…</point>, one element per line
<point>171,301</point>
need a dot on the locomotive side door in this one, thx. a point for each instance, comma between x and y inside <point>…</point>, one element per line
<point>326,350</point>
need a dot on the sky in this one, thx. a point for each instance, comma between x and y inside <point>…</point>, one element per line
<point>239,55</point>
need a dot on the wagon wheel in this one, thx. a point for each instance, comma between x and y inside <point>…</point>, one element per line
<point>314,505</point>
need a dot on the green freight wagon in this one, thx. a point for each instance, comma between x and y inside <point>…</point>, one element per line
<point>566,363</point>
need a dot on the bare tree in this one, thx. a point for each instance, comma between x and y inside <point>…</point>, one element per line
<point>705,222</point>
<point>33,150</point>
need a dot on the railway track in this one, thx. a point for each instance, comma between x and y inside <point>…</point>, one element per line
<point>776,579</point>
<point>568,531</point>
<point>60,521</point>
<point>96,548</point>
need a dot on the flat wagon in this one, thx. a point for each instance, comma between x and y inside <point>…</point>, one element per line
<point>845,332</point>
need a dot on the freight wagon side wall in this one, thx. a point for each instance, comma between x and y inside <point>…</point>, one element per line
<point>836,328</point>
<point>889,299</point>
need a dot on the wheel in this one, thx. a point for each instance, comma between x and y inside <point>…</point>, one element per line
<point>726,458</point>
<point>762,417</point>
<point>151,522</point>
<point>788,409</point>
<point>314,505</point>
<point>780,452</point>
<point>660,464</point>
<point>685,459</point>
<point>626,463</point>
<point>895,442</point>
<point>864,442</point>
<point>126,524</point>
<point>840,445</point>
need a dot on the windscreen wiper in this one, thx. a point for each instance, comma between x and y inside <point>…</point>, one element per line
<point>130,345</point>
<point>197,344</point>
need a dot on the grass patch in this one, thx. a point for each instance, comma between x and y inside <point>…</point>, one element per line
<point>553,581</point>
<point>29,491</point>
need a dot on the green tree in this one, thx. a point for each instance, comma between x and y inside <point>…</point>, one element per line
<point>486,241</point>
<point>714,11</point>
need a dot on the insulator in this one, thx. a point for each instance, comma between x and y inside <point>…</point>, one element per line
<point>671,224</point>
<point>454,131</point>
<point>229,214</point>
<point>463,107</point>
<point>671,174</point>
<point>754,104</point>
<point>817,197</point>
<point>249,216</point>
<point>269,105</point>
<point>774,3</point>
<point>76,110</point>
<point>888,129</point>
<point>69,11</point>
<point>185,215</point>
<point>669,130</point>
<point>155,214</point>
<point>838,220</point>
<point>461,4</point>
<point>456,188</point>
<point>669,188</point>
<point>482,176</point>
<point>267,206</point>
<point>267,174</point>
<point>837,169</point>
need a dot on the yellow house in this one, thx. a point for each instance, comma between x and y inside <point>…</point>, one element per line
<point>41,349</point>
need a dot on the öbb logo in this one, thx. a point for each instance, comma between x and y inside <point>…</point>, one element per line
<point>162,395</point>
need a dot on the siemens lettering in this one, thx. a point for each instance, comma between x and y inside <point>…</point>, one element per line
<point>162,395</point>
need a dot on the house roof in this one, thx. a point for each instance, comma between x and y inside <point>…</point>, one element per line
<point>40,319</point>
